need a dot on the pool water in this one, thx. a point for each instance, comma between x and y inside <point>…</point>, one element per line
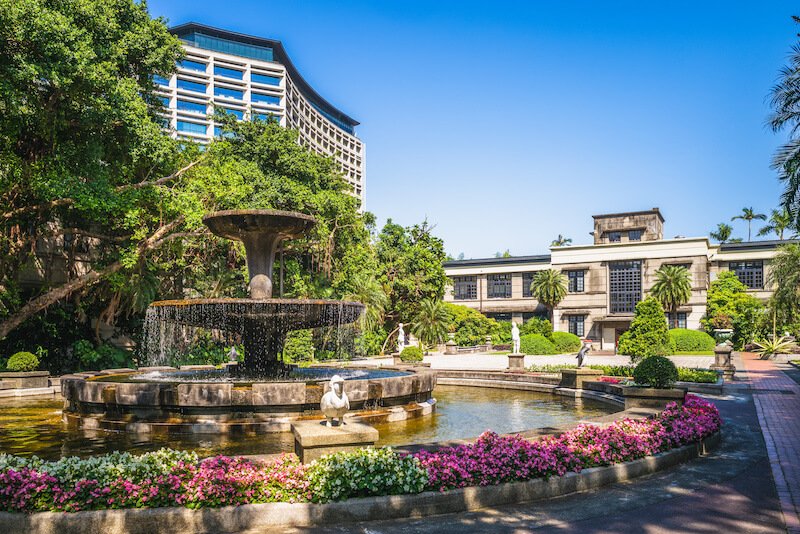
<point>34,426</point>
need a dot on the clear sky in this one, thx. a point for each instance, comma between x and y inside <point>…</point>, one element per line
<point>506,123</point>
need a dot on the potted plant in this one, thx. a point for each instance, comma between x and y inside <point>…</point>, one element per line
<point>22,372</point>
<point>722,327</point>
<point>654,377</point>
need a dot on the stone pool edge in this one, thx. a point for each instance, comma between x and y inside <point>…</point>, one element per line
<point>249,516</point>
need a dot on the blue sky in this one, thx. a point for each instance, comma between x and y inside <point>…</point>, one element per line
<point>506,123</point>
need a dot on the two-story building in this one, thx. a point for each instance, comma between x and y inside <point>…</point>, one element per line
<point>607,278</point>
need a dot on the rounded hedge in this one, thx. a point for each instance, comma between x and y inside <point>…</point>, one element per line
<point>656,372</point>
<point>22,361</point>
<point>686,340</point>
<point>536,344</point>
<point>566,342</point>
<point>411,354</point>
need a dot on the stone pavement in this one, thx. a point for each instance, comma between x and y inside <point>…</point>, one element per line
<point>777,401</point>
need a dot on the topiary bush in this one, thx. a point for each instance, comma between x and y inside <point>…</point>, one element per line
<point>22,362</point>
<point>411,354</point>
<point>566,342</point>
<point>648,335</point>
<point>536,344</point>
<point>656,372</point>
<point>686,340</point>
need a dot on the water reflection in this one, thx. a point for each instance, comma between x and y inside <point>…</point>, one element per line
<point>34,426</point>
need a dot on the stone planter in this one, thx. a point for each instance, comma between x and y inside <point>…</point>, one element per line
<point>23,379</point>
<point>721,335</point>
<point>642,397</point>
<point>396,360</point>
<point>574,378</point>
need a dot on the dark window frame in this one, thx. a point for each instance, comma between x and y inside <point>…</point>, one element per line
<point>498,286</point>
<point>638,233</point>
<point>750,273</point>
<point>614,237</point>
<point>576,324</point>
<point>624,286</point>
<point>527,280</point>
<point>465,287</point>
<point>576,281</point>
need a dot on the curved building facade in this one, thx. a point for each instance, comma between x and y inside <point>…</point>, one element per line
<point>254,79</point>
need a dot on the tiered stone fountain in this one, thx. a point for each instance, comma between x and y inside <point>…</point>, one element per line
<point>258,394</point>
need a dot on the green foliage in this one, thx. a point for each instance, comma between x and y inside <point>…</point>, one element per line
<point>784,276</point>
<point>700,376</point>
<point>470,326</point>
<point>411,354</point>
<point>22,361</point>
<point>656,372</point>
<point>648,334</point>
<point>537,325</point>
<point>566,342</point>
<point>364,472</point>
<point>549,287</point>
<point>536,344</point>
<point>672,288</point>
<point>299,346</point>
<point>685,374</point>
<point>370,343</point>
<point>768,347</point>
<point>551,367</point>
<point>431,322</point>
<point>686,340</point>
<point>105,356</point>
<point>729,305</point>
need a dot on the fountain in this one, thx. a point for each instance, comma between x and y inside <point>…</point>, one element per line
<point>258,394</point>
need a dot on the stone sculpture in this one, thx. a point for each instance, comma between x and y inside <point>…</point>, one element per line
<point>582,353</point>
<point>401,338</point>
<point>514,338</point>
<point>334,403</point>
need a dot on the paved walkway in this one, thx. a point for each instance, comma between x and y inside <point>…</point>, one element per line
<point>777,401</point>
<point>496,362</point>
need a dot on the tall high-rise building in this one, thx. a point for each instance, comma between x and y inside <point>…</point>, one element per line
<point>254,79</point>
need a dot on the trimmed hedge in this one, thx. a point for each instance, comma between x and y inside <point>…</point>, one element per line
<point>536,344</point>
<point>22,362</point>
<point>656,372</point>
<point>566,342</point>
<point>685,340</point>
<point>411,354</point>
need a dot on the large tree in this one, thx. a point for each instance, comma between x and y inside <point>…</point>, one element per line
<point>549,287</point>
<point>723,234</point>
<point>672,289</point>
<point>778,223</point>
<point>784,277</point>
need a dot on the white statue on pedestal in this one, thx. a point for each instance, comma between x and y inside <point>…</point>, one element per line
<point>334,403</point>
<point>514,338</point>
<point>401,338</point>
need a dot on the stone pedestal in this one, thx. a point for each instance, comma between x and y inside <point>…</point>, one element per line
<point>722,361</point>
<point>451,347</point>
<point>25,379</point>
<point>396,359</point>
<point>574,378</point>
<point>636,397</point>
<point>312,439</point>
<point>488,343</point>
<point>516,361</point>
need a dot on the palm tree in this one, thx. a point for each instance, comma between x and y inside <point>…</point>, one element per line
<point>366,290</point>
<point>561,241</point>
<point>430,322</point>
<point>673,288</point>
<point>749,215</point>
<point>549,287</point>
<point>723,233</point>
<point>779,222</point>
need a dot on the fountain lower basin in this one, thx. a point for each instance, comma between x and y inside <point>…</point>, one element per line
<point>124,400</point>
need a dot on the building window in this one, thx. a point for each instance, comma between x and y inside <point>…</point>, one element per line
<point>499,316</point>
<point>266,99</point>
<point>750,273</point>
<point>160,80</point>
<point>186,85</point>
<point>465,287</point>
<point>263,78</point>
<point>188,64</point>
<point>527,280</point>
<point>614,237</point>
<point>228,73</point>
<point>266,117</point>
<point>191,127</point>
<point>224,92</point>
<point>676,320</point>
<point>634,235</point>
<point>575,281</point>
<point>499,286</point>
<point>234,48</point>
<point>185,105</point>
<point>625,285</point>
<point>576,325</point>
<point>239,114</point>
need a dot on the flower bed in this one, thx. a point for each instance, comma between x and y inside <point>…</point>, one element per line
<point>173,478</point>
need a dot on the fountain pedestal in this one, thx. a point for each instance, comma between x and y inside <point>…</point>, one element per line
<point>312,439</point>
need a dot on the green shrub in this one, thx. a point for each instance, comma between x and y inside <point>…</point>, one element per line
<point>22,361</point>
<point>656,372</point>
<point>537,325</point>
<point>614,370</point>
<point>536,344</point>
<point>364,472</point>
<point>700,376</point>
<point>470,326</point>
<point>648,335</point>
<point>299,346</point>
<point>566,342</point>
<point>551,367</point>
<point>691,340</point>
<point>105,356</point>
<point>411,354</point>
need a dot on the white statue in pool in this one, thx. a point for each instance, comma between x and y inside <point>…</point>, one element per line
<point>334,403</point>
<point>514,338</point>
<point>401,338</point>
